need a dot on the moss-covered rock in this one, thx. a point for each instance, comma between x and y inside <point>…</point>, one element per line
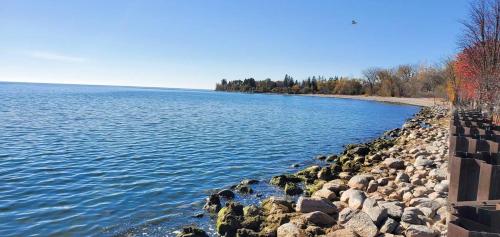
<point>309,174</point>
<point>244,189</point>
<point>192,231</point>
<point>243,232</point>
<point>293,189</point>
<point>282,180</point>
<point>311,188</point>
<point>273,205</point>
<point>326,173</point>
<point>229,219</point>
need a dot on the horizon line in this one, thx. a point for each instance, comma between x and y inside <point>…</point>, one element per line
<point>107,85</point>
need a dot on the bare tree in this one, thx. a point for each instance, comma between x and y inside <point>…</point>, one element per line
<point>481,46</point>
<point>371,76</point>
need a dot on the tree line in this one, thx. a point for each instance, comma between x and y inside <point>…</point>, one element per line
<point>470,79</point>
<point>401,81</point>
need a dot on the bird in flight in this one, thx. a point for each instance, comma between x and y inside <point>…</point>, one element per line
<point>354,22</point>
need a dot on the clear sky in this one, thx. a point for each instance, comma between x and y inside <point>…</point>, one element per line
<point>195,43</point>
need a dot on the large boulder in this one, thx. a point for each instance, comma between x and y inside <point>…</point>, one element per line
<point>361,224</point>
<point>306,205</point>
<point>229,219</point>
<point>290,230</point>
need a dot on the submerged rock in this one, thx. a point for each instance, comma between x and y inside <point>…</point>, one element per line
<point>192,231</point>
<point>212,204</point>
<point>226,193</point>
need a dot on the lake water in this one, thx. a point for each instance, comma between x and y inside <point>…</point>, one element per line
<point>104,161</point>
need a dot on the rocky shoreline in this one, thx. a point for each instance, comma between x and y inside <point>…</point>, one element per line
<point>395,185</point>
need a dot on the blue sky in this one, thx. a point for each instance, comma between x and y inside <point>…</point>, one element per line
<point>195,43</point>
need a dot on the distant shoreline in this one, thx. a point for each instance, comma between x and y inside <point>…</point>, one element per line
<point>424,102</point>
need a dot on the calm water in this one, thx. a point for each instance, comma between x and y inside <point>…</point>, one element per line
<point>94,161</point>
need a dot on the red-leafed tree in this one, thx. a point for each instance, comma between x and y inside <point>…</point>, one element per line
<point>478,65</point>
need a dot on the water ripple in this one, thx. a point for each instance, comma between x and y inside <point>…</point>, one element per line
<point>94,161</point>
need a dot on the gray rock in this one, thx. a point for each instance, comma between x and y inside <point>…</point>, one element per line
<point>306,205</point>
<point>394,209</point>
<point>377,214</point>
<point>290,230</point>
<point>420,161</point>
<point>389,226</point>
<point>362,225</point>
<point>420,231</point>
<point>319,218</point>
<point>335,186</point>
<point>442,187</point>
<point>359,181</point>
<point>356,199</point>
<point>412,215</point>
<point>394,163</point>
<point>402,178</point>
<point>345,215</point>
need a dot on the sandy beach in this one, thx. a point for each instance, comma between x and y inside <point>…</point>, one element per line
<point>426,102</point>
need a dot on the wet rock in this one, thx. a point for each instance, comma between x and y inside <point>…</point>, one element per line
<point>229,219</point>
<point>249,181</point>
<point>420,231</point>
<point>306,205</point>
<point>244,189</point>
<point>192,231</point>
<point>331,158</point>
<point>282,180</point>
<point>326,174</point>
<point>321,157</point>
<point>290,230</point>
<point>212,204</point>
<point>293,189</point>
<point>361,224</point>
<point>317,185</point>
<point>318,218</point>
<point>226,193</point>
